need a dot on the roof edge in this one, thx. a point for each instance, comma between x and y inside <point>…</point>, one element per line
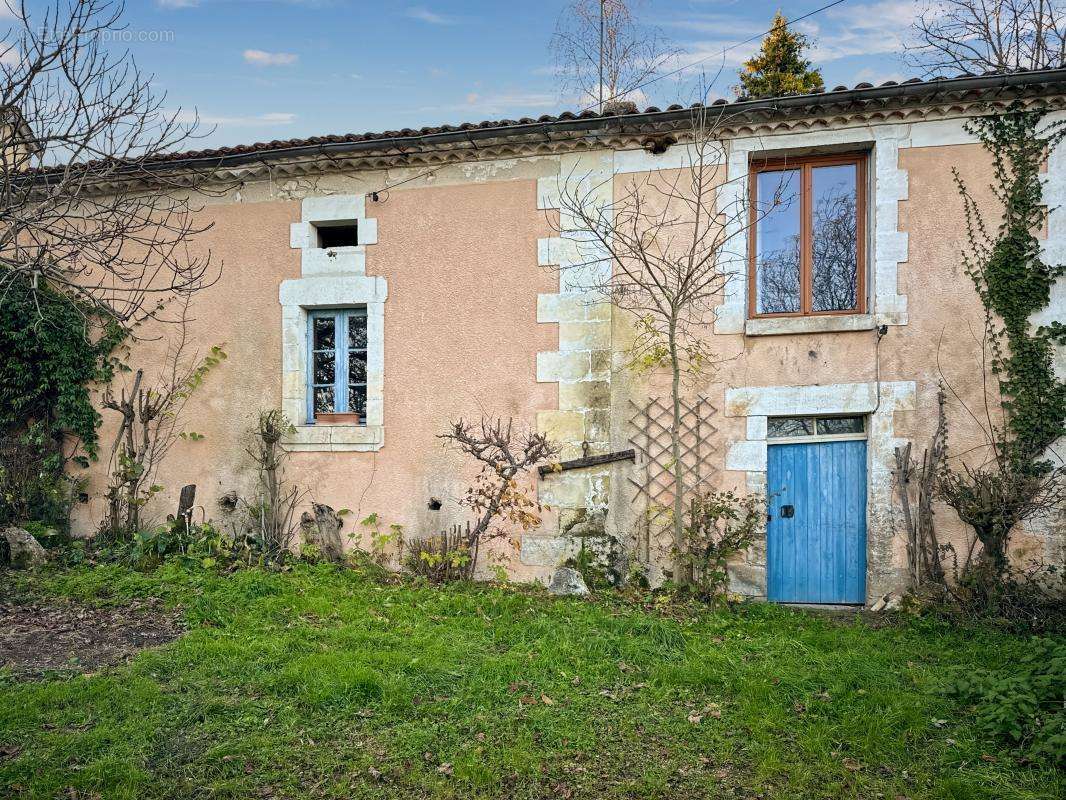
<point>570,123</point>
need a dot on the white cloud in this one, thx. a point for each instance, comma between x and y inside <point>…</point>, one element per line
<point>423,14</point>
<point>878,76</point>
<point>735,26</point>
<point>277,117</point>
<point>261,58</point>
<point>250,120</point>
<point>520,103</point>
<point>9,54</point>
<point>710,56</point>
<point>177,3</point>
<point>866,29</point>
<point>840,32</point>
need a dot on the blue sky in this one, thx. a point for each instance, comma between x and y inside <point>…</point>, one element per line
<point>272,69</point>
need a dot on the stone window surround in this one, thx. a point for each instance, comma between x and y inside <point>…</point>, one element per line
<point>878,401</point>
<point>332,278</point>
<point>887,246</point>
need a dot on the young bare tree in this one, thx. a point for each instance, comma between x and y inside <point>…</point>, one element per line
<point>82,208</point>
<point>150,424</point>
<point>496,497</point>
<point>602,54</point>
<point>953,36</point>
<point>664,249</point>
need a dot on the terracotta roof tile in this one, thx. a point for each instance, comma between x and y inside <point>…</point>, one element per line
<point>817,98</point>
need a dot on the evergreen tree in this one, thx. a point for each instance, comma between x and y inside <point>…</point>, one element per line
<point>779,67</point>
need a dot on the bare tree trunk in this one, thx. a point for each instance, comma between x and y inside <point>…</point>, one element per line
<point>681,570</point>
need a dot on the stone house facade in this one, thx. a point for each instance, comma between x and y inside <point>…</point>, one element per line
<point>402,280</point>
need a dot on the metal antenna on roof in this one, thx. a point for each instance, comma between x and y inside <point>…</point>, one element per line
<point>600,86</point>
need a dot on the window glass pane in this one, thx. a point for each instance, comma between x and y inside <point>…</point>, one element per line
<point>831,425</point>
<point>357,367</point>
<point>324,369</point>
<point>777,242</point>
<point>324,400</point>
<point>834,258</point>
<point>357,400</point>
<point>778,427</point>
<point>325,337</point>
<point>357,332</point>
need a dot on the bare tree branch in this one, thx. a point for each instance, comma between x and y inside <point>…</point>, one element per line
<point>664,249</point>
<point>632,53</point>
<point>81,206</point>
<point>956,36</point>
<point>505,455</point>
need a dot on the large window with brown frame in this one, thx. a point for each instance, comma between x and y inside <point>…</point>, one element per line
<point>807,242</point>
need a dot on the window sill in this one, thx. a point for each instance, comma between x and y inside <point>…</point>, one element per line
<point>336,438</point>
<point>830,323</point>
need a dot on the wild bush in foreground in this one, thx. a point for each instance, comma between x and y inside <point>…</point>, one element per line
<point>1023,704</point>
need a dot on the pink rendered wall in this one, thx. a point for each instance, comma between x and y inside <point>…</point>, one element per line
<point>461,339</point>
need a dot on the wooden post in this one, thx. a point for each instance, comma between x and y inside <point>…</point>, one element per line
<point>185,503</point>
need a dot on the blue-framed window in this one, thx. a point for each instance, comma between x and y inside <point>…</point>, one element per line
<point>336,376</point>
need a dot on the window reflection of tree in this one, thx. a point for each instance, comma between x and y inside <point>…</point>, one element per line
<point>834,265</point>
<point>778,284</point>
<point>779,279</point>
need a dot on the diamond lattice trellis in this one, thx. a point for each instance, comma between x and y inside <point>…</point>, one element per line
<point>651,440</point>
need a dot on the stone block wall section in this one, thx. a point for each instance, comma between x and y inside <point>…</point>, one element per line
<point>582,364</point>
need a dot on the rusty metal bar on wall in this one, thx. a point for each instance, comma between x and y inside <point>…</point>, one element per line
<point>588,461</point>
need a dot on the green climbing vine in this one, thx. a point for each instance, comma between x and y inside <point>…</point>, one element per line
<point>53,350</point>
<point>1018,482</point>
<point>1014,282</point>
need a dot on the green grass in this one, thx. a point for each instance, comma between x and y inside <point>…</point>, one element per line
<point>322,682</point>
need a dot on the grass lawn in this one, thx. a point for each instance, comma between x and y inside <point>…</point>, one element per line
<point>324,682</point>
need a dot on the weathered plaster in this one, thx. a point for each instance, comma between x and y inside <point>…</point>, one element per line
<point>1054,246</point>
<point>678,156</point>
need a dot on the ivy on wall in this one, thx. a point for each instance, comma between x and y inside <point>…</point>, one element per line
<point>1014,282</point>
<point>54,349</point>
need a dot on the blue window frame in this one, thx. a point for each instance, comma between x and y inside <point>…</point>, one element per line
<point>336,362</point>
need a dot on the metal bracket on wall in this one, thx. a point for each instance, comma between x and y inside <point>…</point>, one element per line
<point>587,461</point>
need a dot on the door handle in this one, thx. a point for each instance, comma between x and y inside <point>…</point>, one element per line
<point>788,512</point>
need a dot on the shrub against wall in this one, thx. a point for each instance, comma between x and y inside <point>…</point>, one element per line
<point>54,349</point>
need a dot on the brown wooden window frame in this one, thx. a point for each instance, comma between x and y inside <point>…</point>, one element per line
<point>806,165</point>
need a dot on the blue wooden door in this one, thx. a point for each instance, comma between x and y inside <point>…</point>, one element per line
<point>816,534</point>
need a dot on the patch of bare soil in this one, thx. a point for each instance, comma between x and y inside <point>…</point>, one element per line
<point>38,637</point>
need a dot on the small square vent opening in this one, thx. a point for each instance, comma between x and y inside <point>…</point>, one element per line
<point>337,234</point>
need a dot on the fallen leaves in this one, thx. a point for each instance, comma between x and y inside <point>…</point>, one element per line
<point>712,710</point>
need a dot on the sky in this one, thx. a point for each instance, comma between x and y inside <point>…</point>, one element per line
<point>259,70</point>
